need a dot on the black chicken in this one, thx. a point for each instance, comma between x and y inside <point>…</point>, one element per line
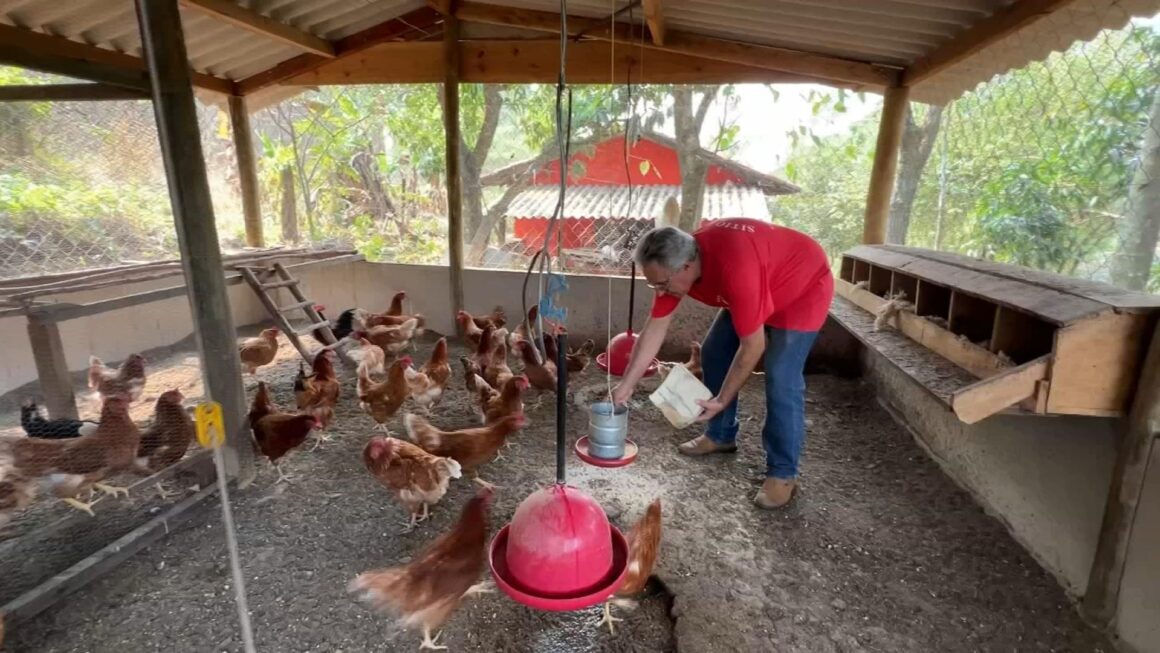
<point>36,426</point>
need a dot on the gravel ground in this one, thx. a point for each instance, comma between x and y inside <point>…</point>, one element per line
<point>880,551</point>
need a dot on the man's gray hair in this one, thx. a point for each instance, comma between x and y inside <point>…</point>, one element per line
<point>668,247</point>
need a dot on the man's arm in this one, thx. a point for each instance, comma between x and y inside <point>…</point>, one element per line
<point>751,349</point>
<point>643,353</point>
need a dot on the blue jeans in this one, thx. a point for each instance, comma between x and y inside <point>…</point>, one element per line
<point>785,390</point>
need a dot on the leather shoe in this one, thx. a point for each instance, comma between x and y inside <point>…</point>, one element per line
<point>702,445</point>
<point>775,493</point>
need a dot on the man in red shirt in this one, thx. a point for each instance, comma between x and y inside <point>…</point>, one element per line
<point>773,286</point>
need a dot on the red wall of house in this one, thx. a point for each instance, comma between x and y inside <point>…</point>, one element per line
<point>605,166</point>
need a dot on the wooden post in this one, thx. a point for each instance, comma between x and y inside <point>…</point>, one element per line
<point>289,207</point>
<point>451,134</point>
<point>51,368</point>
<point>885,165</point>
<point>247,170</point>
<point>201,259</point>
<point>1141,428</point>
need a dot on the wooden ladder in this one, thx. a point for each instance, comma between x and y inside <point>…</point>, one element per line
<point>263,280</point>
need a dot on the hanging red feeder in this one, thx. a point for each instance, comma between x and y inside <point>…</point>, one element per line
<point>559,552</point>
<point>615,357</point>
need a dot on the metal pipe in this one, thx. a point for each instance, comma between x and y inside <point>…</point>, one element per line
<point>561,406</point>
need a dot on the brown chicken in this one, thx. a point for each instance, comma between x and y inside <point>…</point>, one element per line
<point>259,350</point>
<point>472,333</point>
<point>392,339</point>
<point>494,405</point>
<point>497,372</point>
<point>694,362</point>
<point>578,359</point>
<point>424,592</point>
<point>127,381</point>
<point>367,320</point>
<point>276,433</point>
<point>370,355</point>
<point>84,463</point>
<point>428,383</point>
<point>471,447</point>
<point>381,400</point>
<point>416,478</point>
<point>470,372</point>
<point>644,543</point>
<point>541,376</point>
<point>396,307</point>
<point>166,441</point>
<point>496,320</point>
<point>321,391</point>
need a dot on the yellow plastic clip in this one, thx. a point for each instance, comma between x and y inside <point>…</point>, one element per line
<point>211,431</point>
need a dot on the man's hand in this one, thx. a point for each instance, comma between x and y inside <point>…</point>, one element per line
<point>711,406</point>
<point>622,393</point>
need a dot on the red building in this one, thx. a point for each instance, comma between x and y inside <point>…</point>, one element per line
<point>603,212</point>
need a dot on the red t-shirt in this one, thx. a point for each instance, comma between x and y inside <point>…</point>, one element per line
<point>762,273</point>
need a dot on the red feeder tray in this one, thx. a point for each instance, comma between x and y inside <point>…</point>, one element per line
<point>614,359</point>
<point>559,553</point>
<point>629,457</point>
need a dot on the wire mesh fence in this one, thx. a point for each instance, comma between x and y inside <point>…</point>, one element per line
<point>82,184</point>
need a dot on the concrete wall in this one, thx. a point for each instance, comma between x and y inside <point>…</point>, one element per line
<point>1046,478</point>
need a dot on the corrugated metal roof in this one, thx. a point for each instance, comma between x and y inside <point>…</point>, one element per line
<point>215,47</point>
<point>888,32</point>
<point>647,202</point>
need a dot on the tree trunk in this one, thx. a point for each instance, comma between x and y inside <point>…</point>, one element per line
<point>917,144</point>
<point>687,124</point>
<point>289,208</point>
<point>1140,226</point>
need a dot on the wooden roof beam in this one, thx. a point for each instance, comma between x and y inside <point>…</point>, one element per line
<point>69,92</point>
<point>252,21</point>
<point>985,33</point>
<point>822,68</point>
<point>654,17</point>
<point>411,26</point>
<point>61,56</point>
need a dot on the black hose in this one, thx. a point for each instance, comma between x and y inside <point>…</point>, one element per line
<point>561,406</point>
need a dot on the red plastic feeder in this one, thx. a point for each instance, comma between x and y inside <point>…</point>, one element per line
<point>582,451</point>
<point>614,359</point>
<point>559,552</point>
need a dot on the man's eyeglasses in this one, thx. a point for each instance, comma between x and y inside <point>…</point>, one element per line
<point>662,286</point>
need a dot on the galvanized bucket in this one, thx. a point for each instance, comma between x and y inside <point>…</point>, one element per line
<point>607,430</point>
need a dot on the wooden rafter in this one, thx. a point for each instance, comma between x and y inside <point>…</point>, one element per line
<point>820,67</point>
<point>412,26</point>
<point>250,20</point>
<point>654,17</point>
<point>58,55</point>
<point>61,92</point>
<point>528,62</point>
<point>1003,23</point>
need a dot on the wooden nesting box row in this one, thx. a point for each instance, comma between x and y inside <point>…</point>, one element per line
<point>984,337</point>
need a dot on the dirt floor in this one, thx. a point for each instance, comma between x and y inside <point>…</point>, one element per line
<point>879,552</point>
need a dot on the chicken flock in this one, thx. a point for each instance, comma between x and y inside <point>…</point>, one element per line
<point>74,458</point>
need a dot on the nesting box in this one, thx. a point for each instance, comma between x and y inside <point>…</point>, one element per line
<point>985,337</point>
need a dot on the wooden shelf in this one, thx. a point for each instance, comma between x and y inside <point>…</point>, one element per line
<point>1053,344</point>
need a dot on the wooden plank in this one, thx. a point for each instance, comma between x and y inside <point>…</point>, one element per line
<point>279,320</point>
<point>1133,455</point>
<point>983,34</point>
<point>822,68</point>
<point>452,140</point>
<point>1096,363</point>
<point>411,26</point>
<point>528,62</point>
<point>318,323</point>
<point>881,188</point>
<point>654,17</point>
<point>967,355</point>
<point>69,92</point>
<point>252,21</point>
<point>294,307</point>
<point>52,368</point>
<point>1051,305</point>
<point>1093,291</point>
<point>64,312</point>
<point>33,47</point>
<point>936,375</point>
<point>999,392</point>
<point>282,283</point>
<point>247,170</point>
<point>49,593</point>
<point>177,128</point>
